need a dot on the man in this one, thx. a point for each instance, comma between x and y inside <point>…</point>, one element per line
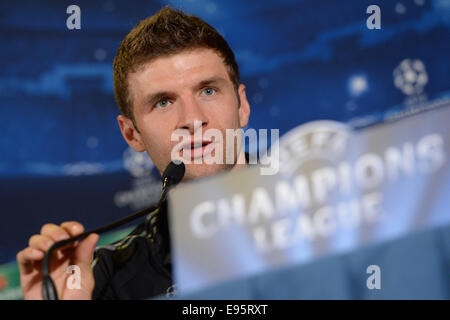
<point>172,73</point>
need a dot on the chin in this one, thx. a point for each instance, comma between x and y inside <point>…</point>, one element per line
<point>198,171</point>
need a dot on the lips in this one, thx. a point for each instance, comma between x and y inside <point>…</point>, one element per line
<point>197,149</point>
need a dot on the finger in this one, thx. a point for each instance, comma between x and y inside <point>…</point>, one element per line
<point>85,250</point>
<point>26,257</point>
<point>40,242</point>
<point>54,232</point>
<point>73,228</point>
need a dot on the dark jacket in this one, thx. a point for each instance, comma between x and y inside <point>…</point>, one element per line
<point>137,266</point>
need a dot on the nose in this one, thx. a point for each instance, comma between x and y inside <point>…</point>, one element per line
<point>191,116</point>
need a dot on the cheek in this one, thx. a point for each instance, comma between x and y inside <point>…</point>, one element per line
<point>157,142</point>
<point>227,117</point>
<point>155,131</point>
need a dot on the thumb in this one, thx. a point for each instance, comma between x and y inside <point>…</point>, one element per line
<point>85,250</point>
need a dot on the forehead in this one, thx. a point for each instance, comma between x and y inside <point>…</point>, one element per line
<point>178,70</point>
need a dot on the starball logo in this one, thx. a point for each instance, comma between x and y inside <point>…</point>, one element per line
<point>145,185</point>
<point>410,76</point>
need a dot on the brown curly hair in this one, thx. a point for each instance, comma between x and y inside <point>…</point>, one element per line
<point>168,32</point>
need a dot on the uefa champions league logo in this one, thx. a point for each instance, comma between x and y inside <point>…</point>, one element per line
<point>145,186</point>
<point>410,77</point>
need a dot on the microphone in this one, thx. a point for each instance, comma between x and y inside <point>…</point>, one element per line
<point>174,172</point>
<point>172,175</point>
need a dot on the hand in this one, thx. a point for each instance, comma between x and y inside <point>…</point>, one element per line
<point>78,253</point>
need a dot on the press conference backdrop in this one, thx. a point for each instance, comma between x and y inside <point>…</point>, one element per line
<point>62,156</point>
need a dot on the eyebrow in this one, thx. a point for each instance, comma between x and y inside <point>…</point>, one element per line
<point>152,98</point>
<point>210,81</point>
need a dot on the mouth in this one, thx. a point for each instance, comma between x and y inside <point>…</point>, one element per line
<point>197,149</point>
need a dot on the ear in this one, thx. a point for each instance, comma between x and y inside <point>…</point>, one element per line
<point>130,133</point>
<point>244,110</point>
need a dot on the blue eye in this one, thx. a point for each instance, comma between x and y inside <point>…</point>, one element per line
<point>209,91</point>
<point>162,103</point>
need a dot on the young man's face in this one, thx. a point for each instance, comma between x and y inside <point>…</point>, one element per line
<point>171,93</point>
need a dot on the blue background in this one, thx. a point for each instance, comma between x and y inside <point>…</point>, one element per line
<point>61,151</point>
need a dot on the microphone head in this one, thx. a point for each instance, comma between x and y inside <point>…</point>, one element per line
<point>174,172</point>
